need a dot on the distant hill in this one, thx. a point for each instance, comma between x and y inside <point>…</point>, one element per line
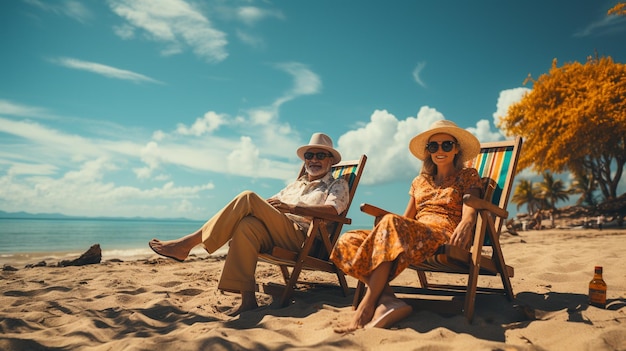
<point>26,215</point>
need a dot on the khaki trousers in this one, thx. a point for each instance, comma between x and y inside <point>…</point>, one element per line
<point>252,226</point>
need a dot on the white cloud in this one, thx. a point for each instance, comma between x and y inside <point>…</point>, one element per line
<point>221,155</point>
<point>124,31</point>
<point>184,206</point>
<point>83,192</point>
<point>18,169</point>
<point>208,123</point>
<point>176,23</point>
<point>104,70</point>
<point>306,82</point>
<point>261,137</point>
<point>250,15</point>
<point>70,8</point>
<point>244,159</point>
<point>13,109</point>
<point>605,25</point>
<point>484,133</point>
<point>44,141</point>
<point>385,139</point>
<point>149,156</point>
<point>263,115</point>
<point>505,99</point>
<point>416,73</point>
<point>250,39</point>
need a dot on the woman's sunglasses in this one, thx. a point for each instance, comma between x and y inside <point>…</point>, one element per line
<point>319,155</point>
<point>446,146</point>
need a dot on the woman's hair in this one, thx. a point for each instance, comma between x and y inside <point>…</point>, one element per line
<point>430,168</point>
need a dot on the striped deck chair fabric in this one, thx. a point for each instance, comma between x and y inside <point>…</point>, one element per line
<point>494,164</point>
<point>321,237</point>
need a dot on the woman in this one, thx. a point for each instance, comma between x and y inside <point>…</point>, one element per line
<point>435,215</point>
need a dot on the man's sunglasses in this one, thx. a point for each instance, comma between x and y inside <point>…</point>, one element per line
<point>319,155</point>
<point>446,146</point>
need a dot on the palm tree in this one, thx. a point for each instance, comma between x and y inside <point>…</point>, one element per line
<point>585,186</point>
<point>526,194</point>
<point>552,191</point>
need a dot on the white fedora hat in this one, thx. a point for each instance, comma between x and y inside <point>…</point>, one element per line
<point>320,141</point>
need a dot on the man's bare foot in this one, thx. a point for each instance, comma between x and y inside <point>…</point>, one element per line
<point>170,249</point>
<point>248,303</point>
<point>235,311</point>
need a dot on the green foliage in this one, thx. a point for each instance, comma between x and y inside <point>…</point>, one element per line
<point>619,9</point>
<point>526,194</point>
<point>551,191</point>
<point>585,186</point>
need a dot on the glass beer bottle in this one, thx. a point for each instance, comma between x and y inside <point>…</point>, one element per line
<point>597,289</point>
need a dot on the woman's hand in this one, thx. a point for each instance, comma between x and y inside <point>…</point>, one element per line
<point>463,234</point>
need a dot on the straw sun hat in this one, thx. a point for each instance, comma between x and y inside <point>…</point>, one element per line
<point>320,141</point>
<point>467,142</point>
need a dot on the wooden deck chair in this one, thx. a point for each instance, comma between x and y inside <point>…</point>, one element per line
<point>496,164</point>
<point>321,237</point>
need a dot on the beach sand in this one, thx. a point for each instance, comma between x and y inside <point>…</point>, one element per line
<point>159,304</point>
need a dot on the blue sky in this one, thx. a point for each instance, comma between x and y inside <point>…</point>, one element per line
<point>169,108</point>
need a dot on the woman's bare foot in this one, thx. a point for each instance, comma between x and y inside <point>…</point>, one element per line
<point>389,311</point>
<point>363,315</point>
<point>171,249</point>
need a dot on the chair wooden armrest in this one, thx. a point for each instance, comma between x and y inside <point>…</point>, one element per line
<point>481,204</point>
<point>373,210</point>
<point>309,212</point>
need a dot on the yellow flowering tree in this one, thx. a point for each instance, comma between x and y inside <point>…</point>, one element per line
<point>574,119</point>
<point>619,9</point>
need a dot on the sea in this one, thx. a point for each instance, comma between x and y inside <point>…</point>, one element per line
<point>27,240</point>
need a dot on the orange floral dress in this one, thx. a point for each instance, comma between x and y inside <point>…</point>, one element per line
<point>406,241</point>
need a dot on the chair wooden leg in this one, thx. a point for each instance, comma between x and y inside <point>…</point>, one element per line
<point>342,282</point>
<point>290,285</point>
<point>498,257</point>
<point>285,272</point>
<point>474,266</point>
<point>297,269</point>
<point>470,295</point>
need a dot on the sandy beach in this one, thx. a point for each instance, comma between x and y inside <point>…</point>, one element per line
<point>159,304</point>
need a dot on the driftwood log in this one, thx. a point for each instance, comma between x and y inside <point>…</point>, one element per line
<point>91,256</point>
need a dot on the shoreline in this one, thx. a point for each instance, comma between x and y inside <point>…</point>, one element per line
<point>135,253</point>
<point>138,253</point>
<point>21,259</point>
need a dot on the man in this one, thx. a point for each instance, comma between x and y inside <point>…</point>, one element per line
<point>254,225</point>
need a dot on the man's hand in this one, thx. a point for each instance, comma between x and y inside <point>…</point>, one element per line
<point>281,206</point>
